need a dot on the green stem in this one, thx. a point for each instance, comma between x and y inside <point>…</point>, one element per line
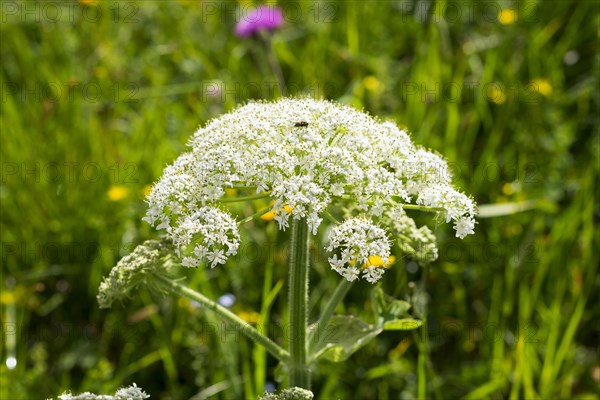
<point>274,62</point>
<point>317,335</point>
<point>394,201</point>
<point>299,374</point>
<point>422,208</point>
<point>255,215</point>
<point>424,347</point>
<point>330,217</point>
<point>225,315</point>
<point>243,198</point>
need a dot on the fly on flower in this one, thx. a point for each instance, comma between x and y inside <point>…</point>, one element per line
<point>301,124</point>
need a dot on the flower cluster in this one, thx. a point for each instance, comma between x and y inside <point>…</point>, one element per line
<point>418,243</point>
<point>151,257</point>
<point>294,393</point>
<point>129,393</point>
<point>358,240</point>
<point>208,233</point>
<point>305,155</point>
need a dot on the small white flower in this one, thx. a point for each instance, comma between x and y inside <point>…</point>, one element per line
<point>216,257</point>
<point>373,274</point>
<point>464,227</point>
<point>350,273</point>
<point>337,189</point>
<point>337,264</point>
<point>313,221</point>
<point>282,220</point>
<point>189,262</point>
<point>377,209</point>
<point>164,224</point>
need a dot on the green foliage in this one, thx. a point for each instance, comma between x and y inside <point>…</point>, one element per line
<point>511,312</point>
<point>344,336</point>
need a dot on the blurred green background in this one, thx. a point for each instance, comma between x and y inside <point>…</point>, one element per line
<point>98,97</point>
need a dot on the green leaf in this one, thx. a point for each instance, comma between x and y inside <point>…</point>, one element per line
<point>392,314</point>
<point>397,308</point>
<point>503,209</point>
<point>387,307</point>
<point>345,335</point>
<point>404,324</point>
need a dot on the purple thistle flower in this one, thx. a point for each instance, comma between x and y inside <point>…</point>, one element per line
<point>263,17</point>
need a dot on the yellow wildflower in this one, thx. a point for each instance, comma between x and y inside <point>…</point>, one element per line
<point>250,317</point>
<point>372,84</point>
<point>377,261</point>
<point>272,214</point>
<point>542,86</point>
<point>7,297</point>
<point>116,193</point>
<point>507,16</point>
<point>496,94</point>
<point>269,216</point>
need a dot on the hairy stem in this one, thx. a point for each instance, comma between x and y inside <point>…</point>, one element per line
<point>225,315</point>
<point>299,374</point>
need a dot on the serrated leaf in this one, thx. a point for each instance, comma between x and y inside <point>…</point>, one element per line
<point>345,335</point>
<point>404,324</point>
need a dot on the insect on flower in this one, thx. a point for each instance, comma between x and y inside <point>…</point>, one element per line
<point>301,124</point>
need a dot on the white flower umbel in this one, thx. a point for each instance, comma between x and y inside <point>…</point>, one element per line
<point>418,243</point>
<point>139,268</point>
<point>354,241</point>
<point>294,393</point>
<point>304,154</point>
<point>205,233</point>
<point>129,393</point>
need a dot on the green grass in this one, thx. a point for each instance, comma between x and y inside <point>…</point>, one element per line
<point>512,311</point>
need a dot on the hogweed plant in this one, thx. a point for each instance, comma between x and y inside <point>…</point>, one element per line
<point>319,163</point>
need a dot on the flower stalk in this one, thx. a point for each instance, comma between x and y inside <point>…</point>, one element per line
<point>240,199</point>
<point>225,315</point>
<point>299,374</point>
<point>274,61</point>
<point>317,335</point>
